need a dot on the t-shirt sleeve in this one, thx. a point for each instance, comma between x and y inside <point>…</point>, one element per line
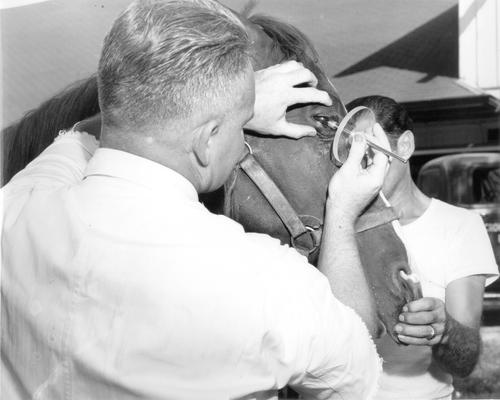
<point>323,343</point>
<point>61,163</point>
<point>472,253</point>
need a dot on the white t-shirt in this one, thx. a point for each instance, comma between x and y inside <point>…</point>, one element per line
<point>444,244</point>
<point>123,286</point>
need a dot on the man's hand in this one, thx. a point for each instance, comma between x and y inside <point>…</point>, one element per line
<point>422,322</point>
<point>353,187</point>
<point>350,190</point>
<point>275,91</point>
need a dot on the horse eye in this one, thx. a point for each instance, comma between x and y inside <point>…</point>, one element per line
<point>321,118</point>
<point>328,131</point>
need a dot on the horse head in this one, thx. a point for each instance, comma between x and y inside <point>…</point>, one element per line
<point>301,170</point>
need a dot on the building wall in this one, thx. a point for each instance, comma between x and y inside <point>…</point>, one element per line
<point>465,134</point>
<point>479,49</point>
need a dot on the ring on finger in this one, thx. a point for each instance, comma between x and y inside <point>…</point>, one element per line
<point>432,335</point>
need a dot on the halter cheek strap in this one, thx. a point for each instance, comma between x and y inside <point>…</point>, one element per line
<point>274,195</point>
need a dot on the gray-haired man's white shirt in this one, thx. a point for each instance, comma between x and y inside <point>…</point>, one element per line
<point>123,286</point>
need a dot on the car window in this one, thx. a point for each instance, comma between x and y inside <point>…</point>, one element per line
<point>486,184</point>
<point>432,183</point>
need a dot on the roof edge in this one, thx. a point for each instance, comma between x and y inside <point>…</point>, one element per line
<point>481,106</point>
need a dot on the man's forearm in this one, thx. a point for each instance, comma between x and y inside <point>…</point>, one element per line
<point>339,261</point>
<point>458,351</point>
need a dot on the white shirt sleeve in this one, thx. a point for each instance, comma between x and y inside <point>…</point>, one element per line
<point>61,163</point>
<point>472,254</point>
<point>324,343</point>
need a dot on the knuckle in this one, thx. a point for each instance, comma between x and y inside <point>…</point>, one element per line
<point>324,95</point>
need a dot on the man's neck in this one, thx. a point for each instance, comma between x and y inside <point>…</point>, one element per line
<point>408,201</point>
<point>154,151</point>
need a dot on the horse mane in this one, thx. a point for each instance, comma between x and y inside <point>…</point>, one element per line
<point>248,8</point>
<point>28,137</point>
<point>292,42</point>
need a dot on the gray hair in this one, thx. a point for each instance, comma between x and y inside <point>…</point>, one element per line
<point>165,59</point>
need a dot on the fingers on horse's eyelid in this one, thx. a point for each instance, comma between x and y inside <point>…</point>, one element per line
<point>285,67</point>
<point>320,96</point>
<point>296,64</point>
<point>298,131</point>
<point>303,76</point>
<point>307,95</point>
<point>326,99</point>
<point>314,81</point>
<point>288,63</point>
<point>291,66</point>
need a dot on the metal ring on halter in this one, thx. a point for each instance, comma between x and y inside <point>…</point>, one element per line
<point>432,335</point>
<point>250,150</point>
<point>315,243</point>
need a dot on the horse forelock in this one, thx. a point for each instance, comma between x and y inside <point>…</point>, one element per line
<point>291,41</point>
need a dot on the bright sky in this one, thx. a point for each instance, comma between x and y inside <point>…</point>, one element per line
<point>17,3</point>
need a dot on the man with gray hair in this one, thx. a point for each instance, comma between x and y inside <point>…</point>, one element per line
<point>132,289</point>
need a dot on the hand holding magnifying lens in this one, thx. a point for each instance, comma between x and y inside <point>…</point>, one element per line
<point>359,120</point>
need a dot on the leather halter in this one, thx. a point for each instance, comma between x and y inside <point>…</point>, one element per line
<point>295,226</point>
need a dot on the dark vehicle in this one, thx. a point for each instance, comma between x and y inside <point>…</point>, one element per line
<point>471,181</point>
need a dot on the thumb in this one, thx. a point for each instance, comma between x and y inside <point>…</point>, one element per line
<point>357,151</point>
<point>296,131</point>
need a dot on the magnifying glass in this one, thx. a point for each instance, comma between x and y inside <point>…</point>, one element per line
<point>359,120</point>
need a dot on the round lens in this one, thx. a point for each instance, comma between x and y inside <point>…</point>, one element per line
<point>359,120</point>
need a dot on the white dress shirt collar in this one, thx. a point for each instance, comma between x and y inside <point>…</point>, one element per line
<point>140,171</point>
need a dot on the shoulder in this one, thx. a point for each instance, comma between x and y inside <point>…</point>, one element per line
<point>280,268</point>
<point>262,250</point>
<point>469,247</point>
<point>456,218</point>
<point>459,226</point>
<point>61,163</point>
<point>449,210</point>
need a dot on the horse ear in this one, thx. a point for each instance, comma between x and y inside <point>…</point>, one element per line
<point>406,144</point>
<point>201,141</point>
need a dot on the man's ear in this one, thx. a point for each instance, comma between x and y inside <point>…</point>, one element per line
<point>406,144</point>
<point>202,140</point>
